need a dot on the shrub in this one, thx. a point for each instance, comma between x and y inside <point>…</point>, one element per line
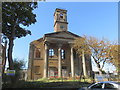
<point>43,79</point>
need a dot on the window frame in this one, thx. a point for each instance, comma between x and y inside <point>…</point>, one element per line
<point>61,15</point>
<point>37,51</point>
<point>62,54</point>
<point>35,69</point>
<point>51,52</point>
<point>64,67</point>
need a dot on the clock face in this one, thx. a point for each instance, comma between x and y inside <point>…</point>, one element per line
<point>61,26</point>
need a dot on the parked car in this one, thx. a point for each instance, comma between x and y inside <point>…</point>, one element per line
<point>105,85</point>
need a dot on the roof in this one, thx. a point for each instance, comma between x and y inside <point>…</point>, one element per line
<point>68,32</point>
<point>58,10</point>
<point>37,41</point>
<point>57,35</point>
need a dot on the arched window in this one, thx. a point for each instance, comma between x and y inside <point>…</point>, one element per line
<point>61,15</point>
<point>63,54</point>
<point>37,53</point>
<point>51,52</point>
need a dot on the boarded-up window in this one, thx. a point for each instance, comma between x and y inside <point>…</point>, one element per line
<point>37,53</point>
<point>37,69</point>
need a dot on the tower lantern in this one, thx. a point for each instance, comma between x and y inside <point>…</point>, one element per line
<point>60,20</point>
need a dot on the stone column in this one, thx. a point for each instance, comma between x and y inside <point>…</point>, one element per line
<point>46,61</point>
<point>84,64</point>
<point>59,61</point>
<point>30,63</point>
<point>72,64</point>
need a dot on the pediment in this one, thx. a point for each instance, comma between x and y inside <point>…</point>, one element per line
<point>62,34</point>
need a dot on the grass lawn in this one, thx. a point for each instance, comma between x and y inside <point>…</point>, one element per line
<point>46,83</point>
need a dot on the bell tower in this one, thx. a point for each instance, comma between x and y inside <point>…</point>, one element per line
<point>60,20</point>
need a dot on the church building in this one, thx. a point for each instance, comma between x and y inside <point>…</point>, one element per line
<point>53,55</point>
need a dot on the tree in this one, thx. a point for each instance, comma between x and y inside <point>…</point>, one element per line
<point>98,49</point>
<point>115,55</point>
<point>15,15</point>
<point>80,45</point>
<point>18,66</point>
<point>83,50</point>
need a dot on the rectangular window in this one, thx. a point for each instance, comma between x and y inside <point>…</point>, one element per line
<point>64,67</point>
<point>37,53</point>
<point>63,54</point>
<point>64,71</point>
<point>51,52</point>
<point>37,69</point>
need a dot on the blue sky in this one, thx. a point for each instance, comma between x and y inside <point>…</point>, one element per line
<point>98,19</point>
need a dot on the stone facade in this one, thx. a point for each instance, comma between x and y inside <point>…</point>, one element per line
<point>54,55</point>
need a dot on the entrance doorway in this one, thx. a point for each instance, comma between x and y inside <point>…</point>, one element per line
<point>53,72</point>
<point>64,71</point>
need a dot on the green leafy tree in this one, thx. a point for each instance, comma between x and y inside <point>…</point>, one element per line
<point>15,15</point>
<point>98,49</point>
<point>18,66</point>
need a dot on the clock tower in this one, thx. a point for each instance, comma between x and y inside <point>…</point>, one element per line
<point>60,20</point>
